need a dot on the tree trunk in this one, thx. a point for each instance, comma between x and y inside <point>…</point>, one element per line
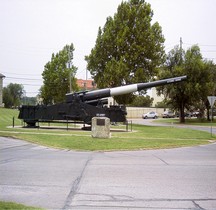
<point>182,115</point>
<point>207,107</point>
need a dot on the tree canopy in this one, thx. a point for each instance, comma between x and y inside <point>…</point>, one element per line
<point>12,95</point>
<point>191,94</point>
<point>128,49</point>
<point>142,101</point>
<point>56,79</point>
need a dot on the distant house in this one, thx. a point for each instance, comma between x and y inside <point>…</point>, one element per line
<point>86,84</point>
<point>1,89</point>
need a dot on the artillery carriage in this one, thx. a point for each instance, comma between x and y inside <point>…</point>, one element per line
<point>81,107</point>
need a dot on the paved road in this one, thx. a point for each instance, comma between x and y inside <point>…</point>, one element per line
<point>183,178</point>
<point>152,122</point>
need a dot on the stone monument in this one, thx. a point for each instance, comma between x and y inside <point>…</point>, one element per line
<point>101,127</point>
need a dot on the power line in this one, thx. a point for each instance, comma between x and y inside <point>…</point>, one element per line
<point>12,47</point>
<point>208,51</point>
<point>210,58</point>
<point>31,91</point>
<point>23,78</point>
<point>6,82</point>
<point>4,72</point>
<point>202,45</point>
<point>30,84</point>
<point>185,43</point>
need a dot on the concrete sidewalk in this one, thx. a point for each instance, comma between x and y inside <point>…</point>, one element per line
<point>182,178</point>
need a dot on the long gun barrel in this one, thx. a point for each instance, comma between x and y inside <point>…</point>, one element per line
<point>83,106</point>
<point>107,92</point>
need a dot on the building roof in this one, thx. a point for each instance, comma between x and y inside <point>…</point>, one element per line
<point>1,75</point>
<point>86,84</point>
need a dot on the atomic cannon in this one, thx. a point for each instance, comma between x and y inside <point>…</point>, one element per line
<point>81,107</point>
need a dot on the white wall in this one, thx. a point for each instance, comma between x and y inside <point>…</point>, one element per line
<point>137,112</point>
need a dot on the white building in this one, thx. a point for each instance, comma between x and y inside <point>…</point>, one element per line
<point>156,97</point>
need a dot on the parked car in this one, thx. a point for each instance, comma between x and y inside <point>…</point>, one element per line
<point>195,114</point>
<point>168,114</point>
<point>186,114</point>
<point>151,114</point>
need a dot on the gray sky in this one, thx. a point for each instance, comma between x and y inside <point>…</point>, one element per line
<point>31,30</point>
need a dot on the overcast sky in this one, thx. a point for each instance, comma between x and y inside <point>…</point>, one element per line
<point>31,30</point>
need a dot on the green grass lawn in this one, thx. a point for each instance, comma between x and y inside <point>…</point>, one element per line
<point>142,137</point>
<point>15,206</point>
<point>188,121</point>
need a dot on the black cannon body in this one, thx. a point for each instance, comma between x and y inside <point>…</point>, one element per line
<point>77,111</point>
<point>81,107</point>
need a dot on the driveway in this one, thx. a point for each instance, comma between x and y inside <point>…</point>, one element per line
<point>183,178</point>
<point>153,122</point>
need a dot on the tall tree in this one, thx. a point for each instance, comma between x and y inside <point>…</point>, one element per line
<point>128,48</point>
<point>56,79</point>
<point>210,86</point>
<point>193,91</point>
<point>12,95</point>
<point>174,94</point>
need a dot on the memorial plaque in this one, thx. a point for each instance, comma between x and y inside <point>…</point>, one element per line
<point>101,122</point>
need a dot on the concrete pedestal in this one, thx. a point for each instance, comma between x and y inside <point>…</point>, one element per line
<point>101,127</point>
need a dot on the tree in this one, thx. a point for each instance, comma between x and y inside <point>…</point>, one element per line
<point>142,101</point>
<point>174,94</point>
<point>12,95</point>
<point>191,92</point>
<point>210,85</point>
<point>56,76</point>
<point>201,82</point>
<point>163,104</point>
<point>29,100</point>
<point>128,49</point>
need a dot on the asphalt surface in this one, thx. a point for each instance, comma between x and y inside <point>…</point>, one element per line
<point>182,178</point>
<point>153,122</point>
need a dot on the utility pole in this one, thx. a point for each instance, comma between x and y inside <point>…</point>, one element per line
<point>181,48</point>
<point>181,43</point>
<point>70,77</point>
<point>86,79</point>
